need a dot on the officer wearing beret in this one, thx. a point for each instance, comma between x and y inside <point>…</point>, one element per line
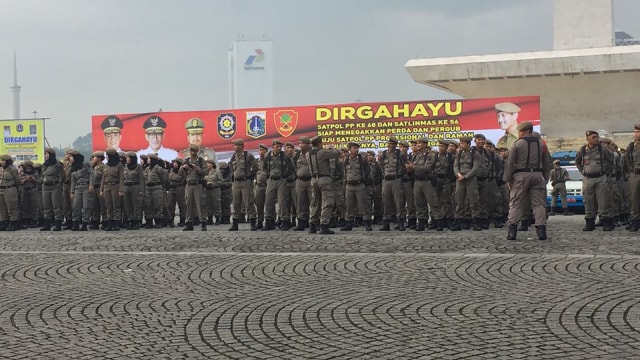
<point>507,114</point>
<point>303,183</point>
<point>112,129</point>
<point>465,166</point>
<point>195,135</point>
<point>323,192</point>
<point>558,177</point>
<point>632,169</point>
<point>279,168</point>
<point>595,162</point>
<point>154,128</point>
<point>526,173</point>
<point>9,188</point>
<point>394,168</point>
<point>261,185</point>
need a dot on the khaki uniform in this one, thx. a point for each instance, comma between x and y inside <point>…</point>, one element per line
<point>376,190</point>
<point>595,164</point>
<point>424,192</point>
<point>506,140</point>
<point>66,194</point>
<point>322,187</point>
<point>134,188</point>
<point>279,169</point>
<point>176,195</point>
<point>632,168</point>
<point>154,184</point>
<point>558,177</point>
<point>357,178</point>
<point>29,199</point>
<point>9,188</point>
<point>467,199</point>
<point>409,210</point>
<point>82,191</point>
<point>261,189</point>
<point>112,186</point>
<point>495,173</point>
<point>226,195</point>
<point>526,170</point>
<point>212,191</point>
<point>482,176</point>
<point>393,169</point>
<point>99,208</point>
<point>193,176</point>
<point>303,186</point>
<point>243,167</point>
<point>52,201</point>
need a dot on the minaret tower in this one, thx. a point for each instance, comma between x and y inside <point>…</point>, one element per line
<point>16,89</point>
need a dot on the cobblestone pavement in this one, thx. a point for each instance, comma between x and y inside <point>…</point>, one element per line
<point>168,294</point>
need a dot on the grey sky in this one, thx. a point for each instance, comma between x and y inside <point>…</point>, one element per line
<point>78,58</point>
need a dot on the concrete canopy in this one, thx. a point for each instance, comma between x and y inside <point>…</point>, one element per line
<point>593,88</point>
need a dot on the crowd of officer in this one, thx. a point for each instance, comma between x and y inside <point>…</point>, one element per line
<point>463,184</point>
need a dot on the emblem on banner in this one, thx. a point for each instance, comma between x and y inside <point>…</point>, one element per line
<point>226,125</point>
<point>19,128</point>
<point>256,124</point>
<point>285,121</point>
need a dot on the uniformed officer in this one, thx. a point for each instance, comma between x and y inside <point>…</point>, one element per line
<point>467,200</point>
<point>526,173</point>
<point>303,183</point>
<point>632,169</point>
<point>134,188</point>
<point>558,177</point>
<point>407,186</point>
<point>423,189</point>
<point>507,114</point>
<point>112,190</point>
<point>290,151</point>
<point>29,200</point>
<point>323,191</point>
<point>261,185</point>
<point>9,188</point>
<point>154,180</point>
<point>82,177</point>
<point>393,163</point>
<point>482,180</point>
<point>112,129</point>
<point>99,209</point>
<point>226,195</point>
<point>212,191</point>
<point>279,168</point>
<point>66,190</point>
<point>357,177</point>
<point>595,162</point>
<point>52,179</point>
<point>154,128</point>
<point>376,189</point>
<point>494,180</point>
<point>243,167</point>
<point>193,170</point>
<point>195,135</point>
<point>176,193</point>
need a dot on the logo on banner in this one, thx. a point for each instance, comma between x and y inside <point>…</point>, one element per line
<point>285,121</point>
<point>258,57</point>
<point>226,125</point>
<point>256,124</point>
<point>19,128</point>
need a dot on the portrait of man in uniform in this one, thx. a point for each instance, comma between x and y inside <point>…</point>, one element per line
<point>507,117</point>
<point>154,128</point>
<point>195,134</point>
<point>112,129</point>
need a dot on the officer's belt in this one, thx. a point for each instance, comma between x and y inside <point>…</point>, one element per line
<point>319,176</point>
<point>481,178</point>
<point>442,176</point>
<point>109,182</point>
<point>174,186</point>
<point>391,177</point>
<point>421,178</point>
<point>353,182</point>
<point>304,178</point>
<point>274,178</point>
<point>51,182</point>
<point>591,176</point>
<point>193,182</point>
<point>7,187</point>
<point>153,184</point>
<point>242,178</point>
<point>527,170</point>
<point>129,183</point>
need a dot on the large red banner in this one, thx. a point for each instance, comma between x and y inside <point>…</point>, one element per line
<point>369,124</point>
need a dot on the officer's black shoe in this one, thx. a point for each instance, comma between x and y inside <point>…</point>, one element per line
<point>599,223</point>
<point>341,222</point>
<point>634,225</point>
<point>513,232</point>
<point>58,225</point>
<point>13,226</point>
<point>269,225</point>
<point>259,224</point>
<point>4,225</point>
<point>68,225</point>
<point>359,221</point>
<point>624,219</point>
<point>385,226</point>
<point>347,227</point>
<point>135,225</point>
<point>33,224</point>
<point>286,225</point>
<point>324,230</point>
<point>218,220</point>
<point>441,224</point>
<point>541,230</point>
<point>313,228</point>
<point>115,225</point>
<point>159,223</point>
<point>477,224</point>
<point>466,224</point>
<point>254,226</point>
<point>95,225</point>
<point>498,222</point>
<point>302,224</point>
<point>401,226</point>
<point>607,224</point>
<point>210,220</point>
<point>172,224</point>
<point>420,225</point>
<point>432,224</point>
<point>552,211</point>
<point>484,223</point>
<point>226,220</point>
<point>333,222</point>
<point>566,212</point>
<point>196,221</point>
<point>148,223</point>
<point>590,224</point>
<point>203,226</point>
<point>455,225</point>
<point>75,226</point>
<point>524,225</point>
<point>412,224</point>
<point>84,226</point>
<point>367,225</point>
<point>234,226</point>
<point>181,223</point>
<point>188,226</point>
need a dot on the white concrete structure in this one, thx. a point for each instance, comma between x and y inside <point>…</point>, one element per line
<point>16,89</point>
<point>580,86</point>
<point>251,74</point>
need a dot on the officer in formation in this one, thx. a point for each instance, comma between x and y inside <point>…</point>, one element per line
<point>261,185</point>
<point>53,176</point>
<point>10,184</point>
<point>243,167</point>
<point>357,177</point>
<point>631,162</point>
<point>193,170</point>
<point>81,191</point>
<point>212,192</point>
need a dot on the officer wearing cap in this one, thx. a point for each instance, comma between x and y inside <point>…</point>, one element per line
<point>595,162</point>
<point>303,183</point>
<point>243,167</point>
<point>507,114</point>
<point>409,210</point>
<point>632,170</point>
<point>9,189</point>
<point>558,177</point>
<point>465,166</point>
<point>154,128</point>
<point>424,191</point>
<point>323,192</point>
<point>526,173</point>
<point>212,191</point>
<point>193,170</point>
<point>393,163</point>
<point>112,129</point>
<point>134,189</point>
<point>279,168</point>
<point>52,179</point>
<point>482,179</point>
<point>357,178</point>
<point>261,185</point>
<point>195,135</point>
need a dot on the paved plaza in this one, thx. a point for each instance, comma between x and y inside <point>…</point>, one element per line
<point>168,294</point>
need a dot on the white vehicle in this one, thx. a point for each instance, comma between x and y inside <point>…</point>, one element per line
<point>574,189</point>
